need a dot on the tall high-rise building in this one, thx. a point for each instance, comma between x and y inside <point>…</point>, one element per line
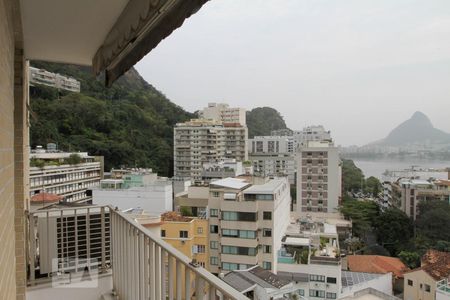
<point>202,141</point>
<point>222,112</point>
<point>319,183</point>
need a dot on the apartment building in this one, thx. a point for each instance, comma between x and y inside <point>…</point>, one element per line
<point>189,235</point>
<point>408,193</point>
<point>221,169</point>
<point>138,188</point>
<point>273,156</point>
<point>202,141</point>
<point>319,183</point>
<point>41,76</point>
<point>312,133</point>
<point>70,175</point>
<point>222,112</point>
<point>310,258</point>
<point>246,222</point>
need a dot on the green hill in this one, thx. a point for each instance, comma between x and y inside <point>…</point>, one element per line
<point>130,124</point>
<point>262,120</point>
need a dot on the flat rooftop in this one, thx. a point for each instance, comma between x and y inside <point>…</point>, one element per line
<point>266,188</point>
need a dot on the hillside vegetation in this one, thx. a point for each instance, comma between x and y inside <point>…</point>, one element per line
<point>262,120</point>
<point>130,124</point>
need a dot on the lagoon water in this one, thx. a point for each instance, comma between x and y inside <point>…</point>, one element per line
<point>376,167</point>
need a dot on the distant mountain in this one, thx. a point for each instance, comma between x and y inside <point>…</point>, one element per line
<point>130,123</point>
<point>262,120</point>
<point>416,130</point>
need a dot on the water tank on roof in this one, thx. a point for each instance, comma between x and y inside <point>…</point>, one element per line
<point>51,147</point>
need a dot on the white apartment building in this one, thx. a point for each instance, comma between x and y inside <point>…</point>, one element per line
<point>222,112</point>
<point>55,175</point>
<point>202,141</point>
<point>247,222</point>
<point>312,133</point>
<point>222,169</point>
<point>319,179</point>
<point>41,76</point>
<point>138,189</point>
<point>273,156</point>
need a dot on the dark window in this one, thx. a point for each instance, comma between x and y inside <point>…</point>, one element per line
<point>163,233</point>
<point>410,282</point>
<point>214,229</point>
<point>427,288</point>
<point>267,215</point>
<point>183,234</point>
<point>267,232</point>
<point>331,295</point>
<point>331,279</point>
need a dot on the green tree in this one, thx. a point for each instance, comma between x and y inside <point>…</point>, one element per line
<point>433,222</point>
<point>411,259</point>
<point>353,177</point>
<point>394,229</point>
<point>363,215</point>
<point>74,159</point>
<point>373,186</point>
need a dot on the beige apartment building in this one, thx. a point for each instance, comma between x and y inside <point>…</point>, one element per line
<point>408,193</point>
<point>202,141</point>
<point>319,178</point>
<point>224,113</point>
<point>246,222</point>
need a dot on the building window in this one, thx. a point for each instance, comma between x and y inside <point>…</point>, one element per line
<point>331,295</point>
<point>319,278</point>
<point>410,282</point>
<point>213,212</point>
<point>163,233</point>
<point>214,245</point>
<point>239,250</point>
<point>331,279</point>
<point>199,229</point>
<point>267,232</point>
<point>214,229</point>
<point>201,248</point>
<point>267,265</point>
<point>427,288</point>
<point>214,261</point>
<point>267,215</point>
<point>215,194</point>
<point>317,293</point>
<point>267,249</point>
<point>183,234</point>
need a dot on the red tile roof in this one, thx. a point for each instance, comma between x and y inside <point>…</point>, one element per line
<point>376,264</point>
<point>436,264</point>
<point>46,197</point>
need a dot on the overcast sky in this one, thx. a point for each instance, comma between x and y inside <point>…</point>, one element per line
<point>359,67</point>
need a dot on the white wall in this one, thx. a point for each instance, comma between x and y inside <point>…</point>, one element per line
<point>155,200</point>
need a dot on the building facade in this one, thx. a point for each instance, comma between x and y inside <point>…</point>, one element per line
<point>408,193</point>
<point>41,76</point>
<point>246,223</point>
<point>55,173</point>
<point>140,188</point>
<point>222,112</point>
<point>319,184</point>
<point>203,141</point>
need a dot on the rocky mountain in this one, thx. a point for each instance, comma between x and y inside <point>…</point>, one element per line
<point>416,130</point>
<point>262,120</point>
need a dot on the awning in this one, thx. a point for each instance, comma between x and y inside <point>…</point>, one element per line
<point>139,29</point>
<point>109,35</point>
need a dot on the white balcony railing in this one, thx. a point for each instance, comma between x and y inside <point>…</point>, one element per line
<point>142,265</point>
<point>146,267</point>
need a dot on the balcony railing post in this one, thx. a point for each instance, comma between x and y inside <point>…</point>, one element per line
<point>199,288</point>
<point>163,274</point>
<point>178,283</point>
<point>170,278</point>
<point>146,268</point>
<point>187,283</point>
<point>157,267</point>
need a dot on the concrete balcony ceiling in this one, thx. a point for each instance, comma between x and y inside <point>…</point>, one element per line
<point>109,35</point>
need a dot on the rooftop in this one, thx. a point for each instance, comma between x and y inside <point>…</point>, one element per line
<point>436,264</point>
<point>46,197</point>
<point>377,264</point>
<point>232,183</point>
<point>172,216</point>
<point>243,280</point>
<point>266,188</point>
